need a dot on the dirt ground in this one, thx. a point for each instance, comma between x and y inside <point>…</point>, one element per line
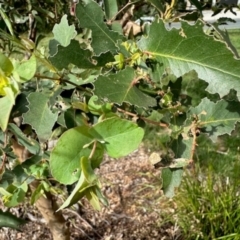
<point>137,208</point>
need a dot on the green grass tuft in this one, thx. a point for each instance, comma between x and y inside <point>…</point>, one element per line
<point>208,206</point>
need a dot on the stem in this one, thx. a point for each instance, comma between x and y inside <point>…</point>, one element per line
<point>93,149</point>
<point>126,6</point>
<point>61,80</point>
<point>143,118</point>
<point>4,157</point>
<point>47,206</point>
<point>194,144</point>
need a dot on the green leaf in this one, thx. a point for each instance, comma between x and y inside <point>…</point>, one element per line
<point>24,171</point>
<point>120,137</point>
<point>216,118</point>
<point>191,82</point>
<point>27,68</point>
<point>6,104</point>
<point>120,87</point>
<point>38,171</point>
<point>87,180</point>
<point>5,64</point>
<point>17,195</point>
<point>93,198</point>
<point>73,118</point>
<point>64,33</point>
<point>7,219</point>
<point>99,109</point>
<point>40,116</point>
<point>190,48</point>
<point>111,8</point>
<point>30,144</point>
<point>65,157</point>
<point>20,106</point>
<point>171,179</point>
<point>103,59</point>
<point>183,147</point>
<point>61,57</point>
<point>39,191</point>
<point>103,39</point>
<point>7,22</point>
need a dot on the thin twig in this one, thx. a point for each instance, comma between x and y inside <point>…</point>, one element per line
<point>93,149</point>
<point>194,144</point>
<point>126,6</point>
<point>4,157</point>
<point>143,118</point>
<point>61,80</point>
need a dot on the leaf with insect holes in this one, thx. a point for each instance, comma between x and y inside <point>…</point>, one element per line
<point>61,56</point>
<point>30,144</point>
<point>190,48</point>
<point>120,87</point>
<point>103,39</point>
<point>218,118</point>
<point>39,115</point>
<point>64,33</point>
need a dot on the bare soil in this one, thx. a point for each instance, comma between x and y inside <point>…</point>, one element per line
<point>137,208</point>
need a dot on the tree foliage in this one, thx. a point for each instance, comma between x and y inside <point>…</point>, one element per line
<point>89,87</point>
